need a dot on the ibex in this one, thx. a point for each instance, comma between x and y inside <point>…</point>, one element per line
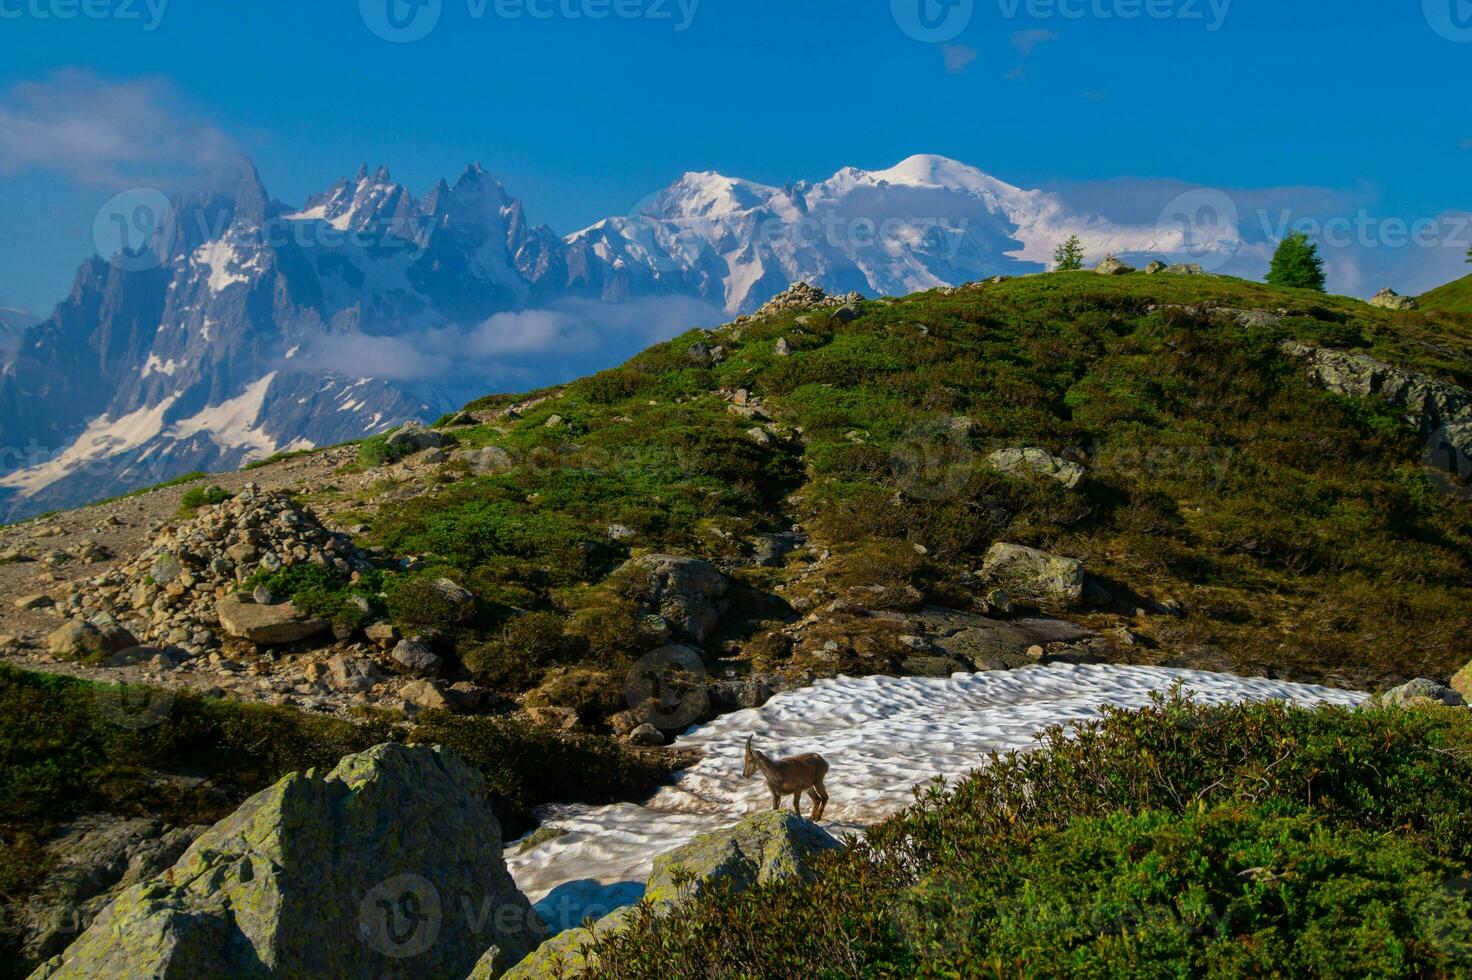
<point>801,773</point>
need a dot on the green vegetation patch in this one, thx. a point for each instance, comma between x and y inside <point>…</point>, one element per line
<point>1180,840</point>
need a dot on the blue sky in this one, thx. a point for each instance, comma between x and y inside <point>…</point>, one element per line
<point>1354,105</point>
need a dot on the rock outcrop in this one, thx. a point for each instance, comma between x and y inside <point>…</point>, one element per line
<point>1034,576</point>
<point>766,847</point>
<point>1112,266</point>
<point>266,624</point>
<point>1441,410</point>
<point>687,593</point>
<point>390,865</point>
<point>91,860</point>
<point>1389,299</point>
<point>1038,462</point>
<point>1420,692</point>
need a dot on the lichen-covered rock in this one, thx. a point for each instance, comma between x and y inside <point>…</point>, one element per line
<point>1113,267</point>
<point>1461,682</point>
<point>1389,299</point>
<point>267,625</point>
<point>1034,576</point>
<point>1418,692</point>
<point>1039,462</point>
<point>390,865</point>
<point>1443,411</point>
<point>765,847</point>
<point>89,862</point>
<point>686,592</point>
<point>411,437</point>
<point>82,640</point>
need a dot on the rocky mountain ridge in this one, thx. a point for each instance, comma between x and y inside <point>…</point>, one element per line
<point>242,326</point>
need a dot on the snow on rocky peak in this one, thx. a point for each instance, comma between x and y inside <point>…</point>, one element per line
<point>218,354</point>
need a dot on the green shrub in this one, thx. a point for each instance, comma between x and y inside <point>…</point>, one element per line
<point>518,658</point>
<point>415,601</point>
<point>323,591</point>
<point>1180,840</point>
<point>197,497</point>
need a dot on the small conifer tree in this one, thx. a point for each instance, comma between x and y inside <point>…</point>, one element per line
<point>1297,264</point>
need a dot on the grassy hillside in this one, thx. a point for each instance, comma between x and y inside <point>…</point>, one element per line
<point>1454,297</point>
<point>1296,531</point>
<point>1178,841</point>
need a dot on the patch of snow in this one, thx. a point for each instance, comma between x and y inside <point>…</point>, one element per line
<point>103,437</point>
<point>220,255</point>
<point>881,735</point>
<point>154,365</point>
<point>235,423</point>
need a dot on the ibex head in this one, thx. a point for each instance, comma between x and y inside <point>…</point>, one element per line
<point>749,770</point>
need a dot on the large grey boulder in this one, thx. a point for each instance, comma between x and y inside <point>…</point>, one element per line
<point>687,593</point>
<point>81,640</point>
<point>1038,462</point>
<point>1418,692</point>
<point>411,437</point>
<point>1113,267</point>
<point>267,625</point>
<point>1389,299</point>
<point>1034,576</point>
<point>390,865</point>
<point>777,845</point>
<point>89,862</point>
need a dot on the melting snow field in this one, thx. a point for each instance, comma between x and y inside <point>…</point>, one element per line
<point>881,735</point>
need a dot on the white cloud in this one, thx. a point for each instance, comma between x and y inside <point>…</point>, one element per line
<point>553,344</point>
<point>105,133</point>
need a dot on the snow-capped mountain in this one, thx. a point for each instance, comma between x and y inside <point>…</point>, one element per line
<point>237,334</point>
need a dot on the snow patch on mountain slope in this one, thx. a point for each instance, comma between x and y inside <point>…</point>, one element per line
<point>881,736</point>
<point>224,264</point>
<point>103,437</point>
<point>233,424</point>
